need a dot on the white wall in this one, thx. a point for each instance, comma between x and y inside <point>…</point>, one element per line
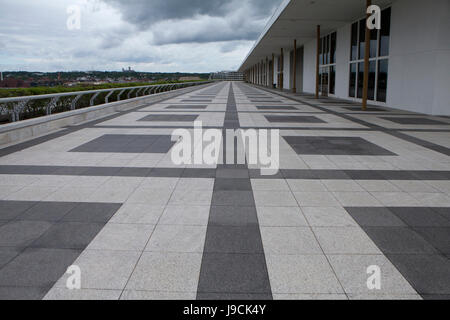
<point>342,61</point>
<point>419,66</point>
<point>286,69</point>
<point>309,67</point>
<point>419,62</point>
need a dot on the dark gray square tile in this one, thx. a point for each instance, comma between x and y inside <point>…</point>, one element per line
<point>285,108</point>
<point>92,212</point>
<point>112,143</point>
<point>399,240</point>
<point>266,101</point>
<point>169,118</point>
<point>233,273</point>
<point>68,235</point>
<point>7,254</point>
<point>364,175</point>
<point>22,293</point>
<point>37,267</point>
<point>436,297</point>
<point>187,107</point>
<point>294,119</point>
<point>374,217</point>
<point>233,198</point>
<point>445,212</point>
<point>133,172</point>
<point>232,184</point>
<point>420,217</point>
<point>232,216</point>
<point>11,209</point>
<point>22,233</point>
<point>166,172</point>
<point>230,239</point>
<point>234,296</point>
<point>335,146</point>
<point>369,109</point>
<point>198,100</point>
<point>48,211</point>
<point>102,171</point>
<point>428,274</point>
<point>414,121</point>
<point>199,173</point>
<point>437,237</point>
<point>231,173</point>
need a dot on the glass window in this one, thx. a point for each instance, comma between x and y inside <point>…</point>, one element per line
<point>383,66</point>
<point>354,47</point>
<point>352,80</point>
<point>360,79</point>
<point>385,32</point>
<point>333,48</point>
<point>372,76</point>
<point>373,43</point>
<point>332,79</point>
<point>362,38</point>
<point>327,44</point>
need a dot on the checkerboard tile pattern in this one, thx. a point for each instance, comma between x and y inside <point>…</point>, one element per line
<point>354,190</point>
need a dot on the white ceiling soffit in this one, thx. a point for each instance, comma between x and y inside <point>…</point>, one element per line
<point>298,19</point>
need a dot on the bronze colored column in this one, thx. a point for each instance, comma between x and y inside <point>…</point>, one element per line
<point>366,63</point>
<point>317,62</point>
<point>294,89</point>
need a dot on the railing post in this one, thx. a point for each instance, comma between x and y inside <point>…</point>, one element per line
<point>92,101</point>
<point>108,95</point>
<point>51,105</point>
<point>73,104</point>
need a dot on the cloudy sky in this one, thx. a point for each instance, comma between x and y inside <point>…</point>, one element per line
<point>148,35</point>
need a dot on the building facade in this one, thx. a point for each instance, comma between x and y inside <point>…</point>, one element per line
<point>408,61</point>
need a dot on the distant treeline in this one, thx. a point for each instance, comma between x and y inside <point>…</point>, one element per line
<point>19,92</point>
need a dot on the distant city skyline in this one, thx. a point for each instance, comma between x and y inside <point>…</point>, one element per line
<point>148,35</point>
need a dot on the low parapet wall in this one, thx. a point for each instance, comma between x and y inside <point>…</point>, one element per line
<point>23,130</point>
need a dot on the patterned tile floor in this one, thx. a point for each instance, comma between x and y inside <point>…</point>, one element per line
<point>354,190</point>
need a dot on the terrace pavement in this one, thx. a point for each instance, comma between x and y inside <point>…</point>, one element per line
<point>355,189</point>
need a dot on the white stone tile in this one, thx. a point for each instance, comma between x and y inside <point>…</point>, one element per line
<point>82,294</point>
<point>342,185</point>
<point>328,217</point>
<point>274,199</point>
<point>289,240</point>
<point>281,217</point>
<point>157,295</point>
<point>356,199</point>
<point>345,240</point>
<point>185,215</point>
<point>306,185</point>
<point>269,185</point>
<point>316,199</point>
<point>138,214</point>
<point>127,237</point>
<point>301,274</point>
<point>177,238</point>
<point>172,272</point>
<point>100,269</point>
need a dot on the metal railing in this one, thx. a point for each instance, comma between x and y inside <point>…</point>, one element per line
<point>18,108</point>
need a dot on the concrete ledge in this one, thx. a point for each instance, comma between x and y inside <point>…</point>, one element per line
<point>23,130</point>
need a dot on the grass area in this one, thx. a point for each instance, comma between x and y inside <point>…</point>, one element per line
<point>20,92</point>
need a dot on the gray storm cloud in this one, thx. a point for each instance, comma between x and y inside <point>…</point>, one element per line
<point>197,21</point>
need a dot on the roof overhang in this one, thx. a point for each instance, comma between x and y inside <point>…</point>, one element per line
<point>298,19</point>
